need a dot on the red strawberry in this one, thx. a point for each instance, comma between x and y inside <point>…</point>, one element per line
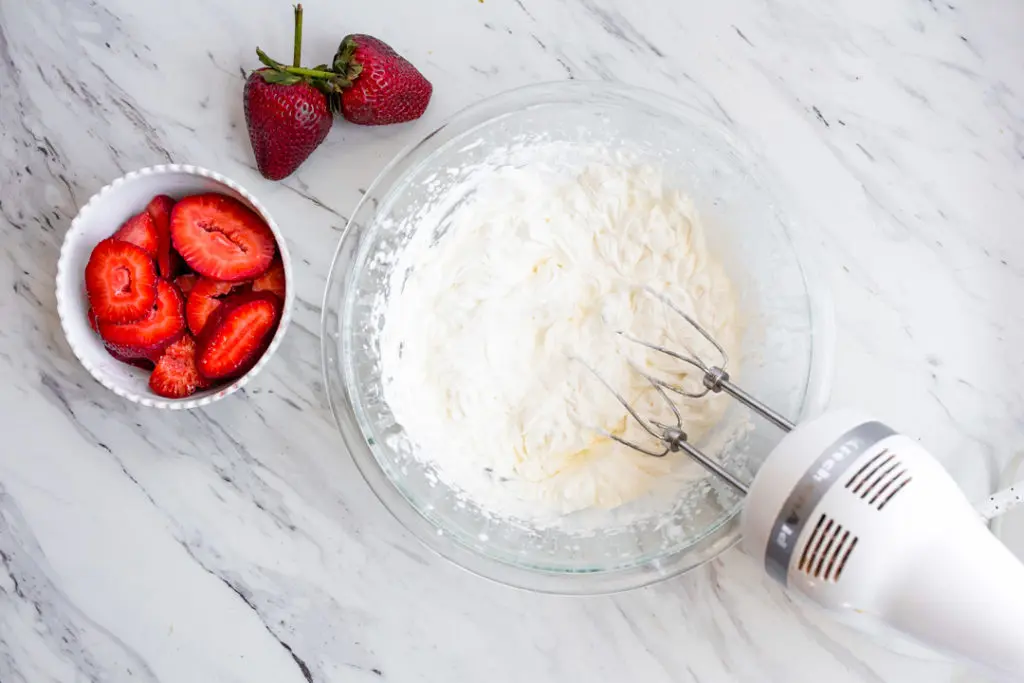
<point>186,282</point>
<point>238,334</point>
<point>140,231</point>
<point>177,263</point>
<point>121,281</point>
<point>385,88</point>
<point>142,363</point>
<point>147,338</point>
<point>159,210</point>
<point>287,115</point>
<point>286,121</point>
<point>272,280</point>
<point>205,299</point>
<point>175,375</point>
<point>221,238</point>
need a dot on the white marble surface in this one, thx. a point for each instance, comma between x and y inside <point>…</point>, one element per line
<point>238,543</point>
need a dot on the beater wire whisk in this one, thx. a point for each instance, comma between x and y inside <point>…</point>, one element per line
<point>715,379</point>
<point>672,437</point>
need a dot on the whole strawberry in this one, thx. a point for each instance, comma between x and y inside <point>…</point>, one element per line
<point>286,123</point>
<point>385,88</point>
<point>286,111</point>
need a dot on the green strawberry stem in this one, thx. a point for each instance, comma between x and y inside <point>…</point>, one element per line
<point>322,77</point>
<point>297,54</point>
<point>344,64</point>
<point>297,70</point>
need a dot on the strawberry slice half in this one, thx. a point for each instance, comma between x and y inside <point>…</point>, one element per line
<point>237,335</point>
<point>206,298</point>
<point>120,281</point>
<point>176,375</point>
<point>186,282</point>
<point>142,363</point>
<point>272,280</point>
<point>221,238</point>
<point>141,231</point>
<point>159,210</point>
<point>147,338</point>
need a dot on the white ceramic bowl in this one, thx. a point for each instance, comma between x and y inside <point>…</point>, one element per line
<point>99,219</point>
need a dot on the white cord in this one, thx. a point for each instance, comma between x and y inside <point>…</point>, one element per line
<point>1001,502</point>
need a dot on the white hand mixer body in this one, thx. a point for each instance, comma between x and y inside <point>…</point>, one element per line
<point>866,523</point>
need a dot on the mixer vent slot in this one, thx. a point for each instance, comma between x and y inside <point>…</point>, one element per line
<point>827,550</point>
<point>879,479</point>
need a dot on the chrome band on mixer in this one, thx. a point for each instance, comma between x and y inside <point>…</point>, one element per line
<point>819,478</point>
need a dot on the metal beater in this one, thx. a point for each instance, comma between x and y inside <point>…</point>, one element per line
<point>715,379</point>
<point>865,522</point>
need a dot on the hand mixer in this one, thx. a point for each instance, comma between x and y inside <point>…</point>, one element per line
<point>865,522</point>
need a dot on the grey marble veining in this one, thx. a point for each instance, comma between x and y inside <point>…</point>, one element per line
<point>239,543</point>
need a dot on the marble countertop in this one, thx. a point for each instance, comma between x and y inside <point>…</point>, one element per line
<point>238,543</point>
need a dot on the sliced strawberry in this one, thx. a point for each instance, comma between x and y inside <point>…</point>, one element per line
<point>147,338</point>
<point>272,280</point>
<point>120,281</point>
<point>143,363</point>
<point>205,299</point>
<point>221,238</point>
<point>159,209</point>
<point>140,231</point>
<point>140,358</point>
<point>186,282</point>
<point>176,375</point>
<point>178,264</point>
<point>237,335</point>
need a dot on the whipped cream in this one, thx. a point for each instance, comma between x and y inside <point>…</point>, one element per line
<point>493,327</point>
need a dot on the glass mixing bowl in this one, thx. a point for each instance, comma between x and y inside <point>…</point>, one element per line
<point>783,358</point>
